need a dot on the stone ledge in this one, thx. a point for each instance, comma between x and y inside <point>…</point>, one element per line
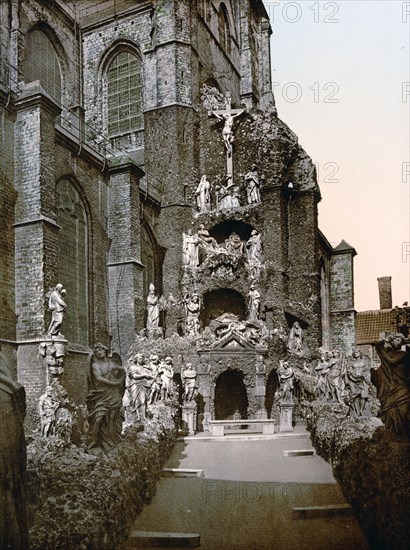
<point>144,539</point>
<point>299,452</point>
<point>328,511</point>
<point>182,472</point>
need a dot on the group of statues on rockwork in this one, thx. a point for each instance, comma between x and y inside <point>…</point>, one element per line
<point>132,388</point>
<point>227,196</point>
<point>197,247</point>
<point>339,375</point>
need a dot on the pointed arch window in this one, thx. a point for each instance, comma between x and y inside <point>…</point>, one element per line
<point>223,28</point>
<point>42,63</point>
<point>73,260</point>
<point>124,94</point>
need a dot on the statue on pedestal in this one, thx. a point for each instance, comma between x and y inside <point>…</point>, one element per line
<point>152,309</point>
<point>285,375</point>
<point>104,400</point>
<point>47,408</point>
<point>192,311</point>
<point>295,342</point>
<point>254,253</point>
<point>57,306</point>
<point>252,185</point>
<point>13,521</point>
<point>190,252</point>
<point>138,385</point>
<point>166,378</point>
<point>203,195</point>
<point>253,304</point>
<point>188,377</point>
<point>322,368</point>
<point>392,381</point>
<point>155,368</point>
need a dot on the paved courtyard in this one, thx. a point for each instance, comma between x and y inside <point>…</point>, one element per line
<point>247,495</point>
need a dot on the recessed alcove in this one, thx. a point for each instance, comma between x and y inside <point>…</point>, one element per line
<point>223,230</point>
<point>230,395</point>
<point>220,301</point>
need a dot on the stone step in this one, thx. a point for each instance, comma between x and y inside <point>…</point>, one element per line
<point>330,510</point>
<point>248,437</point>
<point>299,452</point>
<point>182,472</point>
<point>157,539</point>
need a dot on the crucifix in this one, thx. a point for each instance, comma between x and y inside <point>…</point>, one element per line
<point>228,115</point>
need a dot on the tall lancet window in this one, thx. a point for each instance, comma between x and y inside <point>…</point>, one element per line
<point>73,260</point>
<point>223,27</point>
<point>124,94</point>
<point>41,63</point>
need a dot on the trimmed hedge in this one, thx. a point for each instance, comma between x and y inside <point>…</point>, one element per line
<point>90,502</point>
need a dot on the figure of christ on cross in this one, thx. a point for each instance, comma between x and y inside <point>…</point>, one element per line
<point>228,115</point>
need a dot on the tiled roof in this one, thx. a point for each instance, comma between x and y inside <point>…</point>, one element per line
<point>369,324</point>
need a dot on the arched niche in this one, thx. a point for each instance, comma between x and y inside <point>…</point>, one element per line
<point>230,395</point>
<point>150,259</point>
<point>42,62</point>
<point>223,230</point>
<point>272,385</point>
<point>73,260</point>
<point>220,301</point>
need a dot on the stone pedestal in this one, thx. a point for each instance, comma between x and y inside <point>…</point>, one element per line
<point>189,417</point>
<point>286,415</point>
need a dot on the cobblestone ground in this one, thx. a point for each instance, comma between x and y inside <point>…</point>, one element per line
<point>246,498</point>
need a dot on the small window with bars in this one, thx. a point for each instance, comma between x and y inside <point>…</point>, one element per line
<point>124,94</point>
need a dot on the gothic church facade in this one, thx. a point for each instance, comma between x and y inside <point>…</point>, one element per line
<point>105,137</point>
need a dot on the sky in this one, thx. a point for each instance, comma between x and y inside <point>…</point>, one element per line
<point>341,79</point>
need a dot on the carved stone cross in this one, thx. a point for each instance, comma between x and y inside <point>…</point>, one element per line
<point>228,115</point>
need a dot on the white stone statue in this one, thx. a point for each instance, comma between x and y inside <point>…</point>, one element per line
<point>227,131</point>
<point>253,304</point>
<point>190,252</point>
<point>166,378</point>
<point>295,343</point>
<point>203,195</point>
<point>155,367</point>
<point>254,251</point>
<point>358,380</point>
<point>234,244</point>
<point>152,309</point>
<point>252,185</point>
<point>321,369</point>
<point>228,197</point>
<point>188,377</point>
<point>285,375</point>
<point>57,306</point>
<point>138,384</point>
<point>192,311</point>
<point>336,376</point>
<point>207,243</point>
<point>212,98</point>
<point>47,408</point>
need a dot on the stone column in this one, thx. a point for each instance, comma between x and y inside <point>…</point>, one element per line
<point>125,270</point>
<point>35,228</point>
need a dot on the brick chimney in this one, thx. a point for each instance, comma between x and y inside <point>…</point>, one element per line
<point>385,292</point>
